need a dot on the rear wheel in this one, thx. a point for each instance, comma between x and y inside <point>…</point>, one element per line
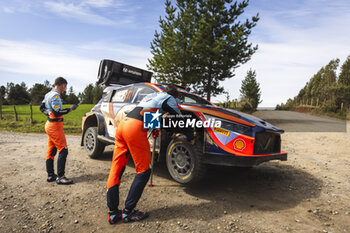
<point>184,161</point>
<point>93,147</point>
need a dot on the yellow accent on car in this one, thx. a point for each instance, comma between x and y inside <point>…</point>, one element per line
<point>222,131</point>
<point>185,177</point>
<point>169,153</point>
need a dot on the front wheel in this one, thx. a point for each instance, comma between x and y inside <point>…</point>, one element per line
<point>184,161</point>
<point>93,147</point>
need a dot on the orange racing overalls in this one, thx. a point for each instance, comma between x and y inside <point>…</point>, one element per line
<point>131,138</point>
<point>52,107</point>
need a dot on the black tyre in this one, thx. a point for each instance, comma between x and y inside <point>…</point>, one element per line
<point>93,147</point>
<point>184,161</point>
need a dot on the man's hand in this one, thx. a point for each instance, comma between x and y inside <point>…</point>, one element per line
<point>73,107</point>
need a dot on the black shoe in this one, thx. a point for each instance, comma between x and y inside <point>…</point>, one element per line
<point>114,216</point>
<point>51,178</point>
<point>133,215</point>
<point>63,180</point>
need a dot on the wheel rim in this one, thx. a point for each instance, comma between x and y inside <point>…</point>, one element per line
<point>90,141</point>
<point>181,162</point>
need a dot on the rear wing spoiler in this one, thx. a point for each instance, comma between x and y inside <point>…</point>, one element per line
<point>112,72</point>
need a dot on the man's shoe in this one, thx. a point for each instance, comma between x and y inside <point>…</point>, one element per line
<point>63,180</point>
<point>133,215</point>
<point>51,178</point>
<point>114,216</point>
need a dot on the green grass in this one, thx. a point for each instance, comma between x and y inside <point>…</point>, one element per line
<point>72,121</point>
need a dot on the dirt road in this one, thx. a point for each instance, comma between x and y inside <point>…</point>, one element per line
<point>307,193</point>
<point>300,122</point>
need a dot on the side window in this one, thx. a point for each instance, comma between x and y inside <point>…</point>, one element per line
<point>189,100</point>
<point>140,93</point>
<point>122,95</point>
<point>106,97</point>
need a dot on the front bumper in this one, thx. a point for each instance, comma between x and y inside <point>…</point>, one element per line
<point>241,161</point>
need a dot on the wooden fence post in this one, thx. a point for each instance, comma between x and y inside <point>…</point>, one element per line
<point>31,115</point>
<point>16,117</point>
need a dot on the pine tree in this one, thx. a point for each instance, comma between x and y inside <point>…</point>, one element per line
<point>250,89</point>
<point>201,43</point>
<point>173,59</point>
<point>343,87</point>
<point>87,95</point>
<point>38,92</point>
<point>97,93</point>
<point>18,94</point>
<point>71,97</point>
<point>344,76</point>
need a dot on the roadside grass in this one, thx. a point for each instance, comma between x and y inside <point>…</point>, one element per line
<point>72,121</point>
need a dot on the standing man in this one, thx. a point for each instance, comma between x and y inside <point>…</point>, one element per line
<point>132,137</point>
<point>52,107</point>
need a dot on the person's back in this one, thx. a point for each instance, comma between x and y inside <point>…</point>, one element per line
<point>131,138</point>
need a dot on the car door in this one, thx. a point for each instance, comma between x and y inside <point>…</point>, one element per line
<point>120,98</point>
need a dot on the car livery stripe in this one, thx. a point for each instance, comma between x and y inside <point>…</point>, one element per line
<point>229,150</point>
<point>111,110</point>
<point>154,86</point>
<point>236,153</point>
<point>215,113</point>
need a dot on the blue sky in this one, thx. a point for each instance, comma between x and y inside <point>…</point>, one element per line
<point>43,39</point>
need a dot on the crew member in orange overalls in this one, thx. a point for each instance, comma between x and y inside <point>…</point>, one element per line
<point>52,107</point>
<point>131,138</point>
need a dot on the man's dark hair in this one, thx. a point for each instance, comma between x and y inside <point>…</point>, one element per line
<point>59,81</point>
<point>172,90</point>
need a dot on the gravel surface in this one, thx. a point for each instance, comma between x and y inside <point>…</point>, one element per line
<point>307,193</point>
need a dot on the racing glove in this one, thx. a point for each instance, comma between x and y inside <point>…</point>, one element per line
<point>73,107</point>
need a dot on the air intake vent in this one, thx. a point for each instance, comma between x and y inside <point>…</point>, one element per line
<point>267,143</point>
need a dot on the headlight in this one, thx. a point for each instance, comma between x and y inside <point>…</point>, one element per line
<point>232,126</point>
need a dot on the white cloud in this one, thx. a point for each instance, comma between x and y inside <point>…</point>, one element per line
<point>99,12</point>
<point>291,51</point>
<point>78,63</point>
<point>43,59</point>
<point>8,10</point>
<point>78,12</point>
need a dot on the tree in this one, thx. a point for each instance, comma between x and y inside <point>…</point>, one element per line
<point>201,43</point>
<point>38,92</point>
<point>71,97</point>
<point>344,76</point>
<point>97,94</point>
<point>250,89</point>
<point>173,58</point>
<point>343,86</point>
<point>18,94</point>
<point>87,95</point>
<point>3,95</point>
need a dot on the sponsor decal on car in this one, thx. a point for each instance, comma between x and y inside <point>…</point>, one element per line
<point>222,131</point>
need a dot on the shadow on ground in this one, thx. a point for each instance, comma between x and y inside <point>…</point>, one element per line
<point>89,178</point>
<point>268,187</point>
<point>271,186</point>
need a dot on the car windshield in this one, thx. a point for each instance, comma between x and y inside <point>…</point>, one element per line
<point>187,98</point>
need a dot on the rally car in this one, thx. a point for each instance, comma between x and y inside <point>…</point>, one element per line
<point>241,140</point>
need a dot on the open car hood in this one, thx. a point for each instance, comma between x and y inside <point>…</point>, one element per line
<point>112,72</point>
